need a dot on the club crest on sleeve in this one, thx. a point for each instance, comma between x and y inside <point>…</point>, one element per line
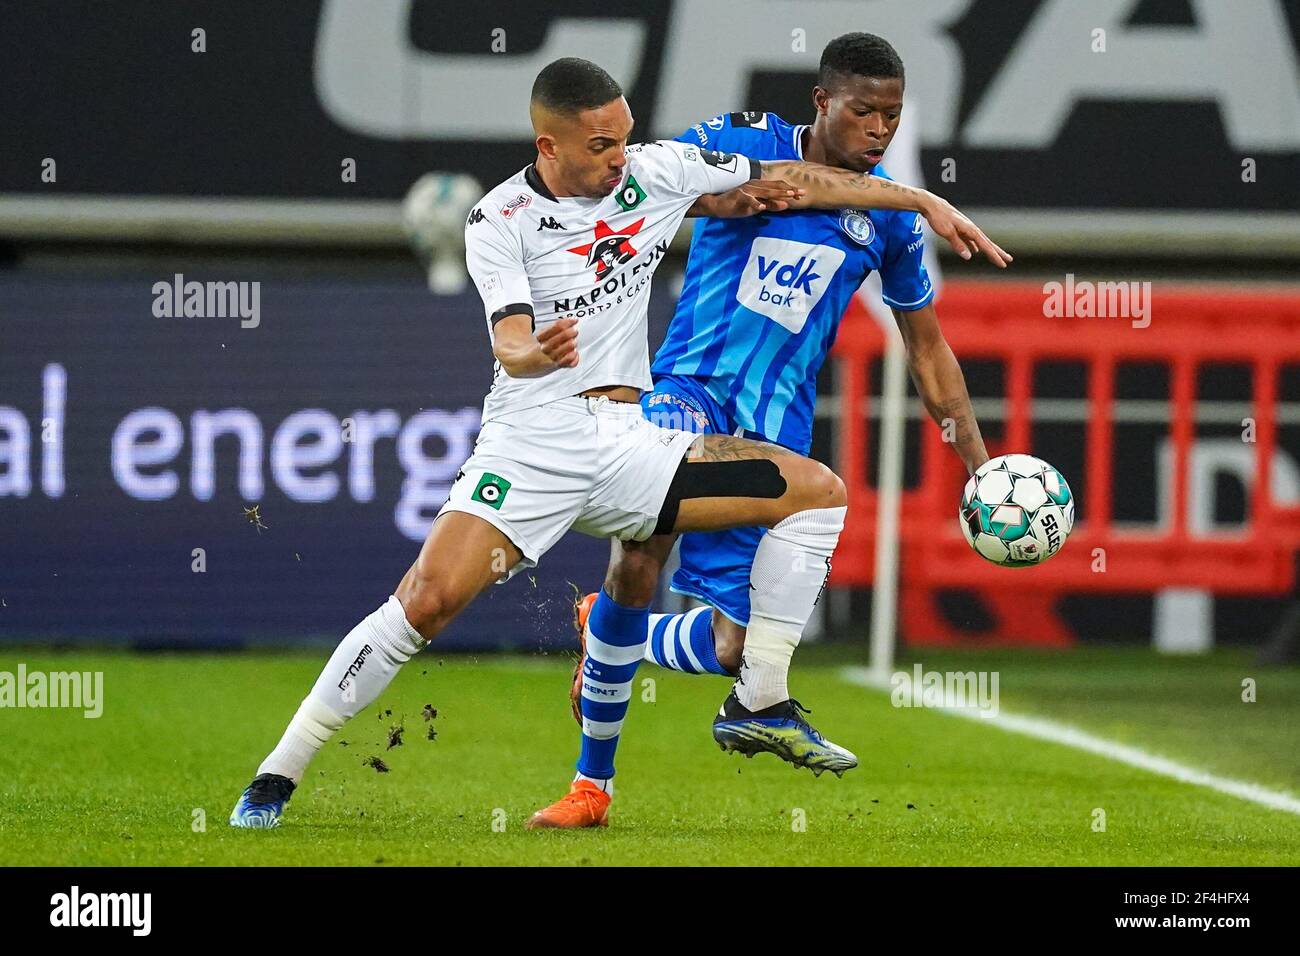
<point>857,225</point>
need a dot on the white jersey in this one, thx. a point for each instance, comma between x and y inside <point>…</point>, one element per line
<point>591,259</point>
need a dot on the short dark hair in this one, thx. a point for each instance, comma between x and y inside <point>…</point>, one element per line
<point>859,54</point>
<point>572,84</point>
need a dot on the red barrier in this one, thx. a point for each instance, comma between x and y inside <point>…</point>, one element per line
<point>1003,322</point>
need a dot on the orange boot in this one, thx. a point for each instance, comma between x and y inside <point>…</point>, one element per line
<point>585,805</point>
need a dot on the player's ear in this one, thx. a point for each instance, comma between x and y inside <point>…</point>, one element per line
<point>546,145</point>
<point>821,100</point>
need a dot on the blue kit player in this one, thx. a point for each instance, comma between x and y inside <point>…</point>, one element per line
<point>758,313</point>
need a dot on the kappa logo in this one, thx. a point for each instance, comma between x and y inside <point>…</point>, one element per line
<point>516,204</point>
<point>784,280</point>
<point>610,247</point>
<point>549,222</point>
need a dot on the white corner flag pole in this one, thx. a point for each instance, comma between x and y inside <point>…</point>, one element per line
<point>904,164</point>
<point>889,486</point>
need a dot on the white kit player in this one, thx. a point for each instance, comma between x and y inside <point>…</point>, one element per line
<point>563,254</point>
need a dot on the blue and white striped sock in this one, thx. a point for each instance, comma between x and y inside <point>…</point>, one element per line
<point>616,637</point>
<point>684,642</point>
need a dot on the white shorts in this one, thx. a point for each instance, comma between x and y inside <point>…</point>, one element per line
<point>589,464</point>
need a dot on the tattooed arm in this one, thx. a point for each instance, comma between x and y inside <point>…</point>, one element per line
<point>828,187</point>
<point>942,386</point>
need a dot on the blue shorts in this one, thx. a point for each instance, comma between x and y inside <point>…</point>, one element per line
<point>714,564</point>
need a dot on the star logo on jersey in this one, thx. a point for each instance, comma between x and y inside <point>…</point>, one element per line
<point>610,247</point>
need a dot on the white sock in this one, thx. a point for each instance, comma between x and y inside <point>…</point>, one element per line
<point>790,569</point>
<point>604,783</point>
<point>364,663</point>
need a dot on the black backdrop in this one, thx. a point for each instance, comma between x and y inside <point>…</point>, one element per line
<point>111,91</point>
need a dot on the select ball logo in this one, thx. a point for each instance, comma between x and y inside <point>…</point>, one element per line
<point>1016,510</point>
<point>784,280</point>
<point>1053,532</point>
<point>491,490</point>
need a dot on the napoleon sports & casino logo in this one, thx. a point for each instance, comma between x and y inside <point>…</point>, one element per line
<point>609,248</point>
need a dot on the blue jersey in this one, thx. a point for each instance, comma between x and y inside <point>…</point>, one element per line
<point>764,295</point>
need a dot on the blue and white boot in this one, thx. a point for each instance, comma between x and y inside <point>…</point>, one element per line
<point>262,802</point>
<point>782,730</point>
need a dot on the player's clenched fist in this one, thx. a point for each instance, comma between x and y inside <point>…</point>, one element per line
<point>559,342</point>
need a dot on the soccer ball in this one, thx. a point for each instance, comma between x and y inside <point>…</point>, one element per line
<point>1016,510</point>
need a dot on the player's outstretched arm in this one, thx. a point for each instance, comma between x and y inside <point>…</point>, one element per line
<point>940,382</point>
<point>524,355</point>
<point>826,187</point>
<point>756,196</point>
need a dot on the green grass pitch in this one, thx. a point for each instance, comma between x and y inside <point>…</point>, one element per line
<point>180,736</point>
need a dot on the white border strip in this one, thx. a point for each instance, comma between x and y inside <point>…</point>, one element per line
<point>377,222</point>
<point>1068,736</point>
<point>370,222</point>
<point>1168,233</point>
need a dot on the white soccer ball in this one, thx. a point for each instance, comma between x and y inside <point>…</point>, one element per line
<point>1016,510</point>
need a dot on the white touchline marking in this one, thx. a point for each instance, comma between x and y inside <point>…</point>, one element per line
<point>1069,736</point>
